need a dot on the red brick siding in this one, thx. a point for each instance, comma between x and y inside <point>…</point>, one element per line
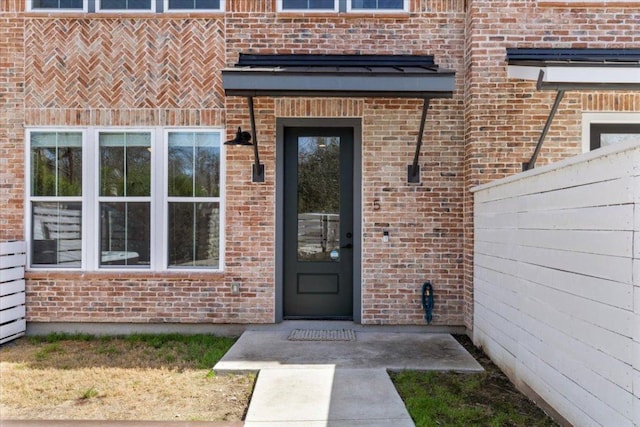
<point>11,123</point>
<point>163,70</point>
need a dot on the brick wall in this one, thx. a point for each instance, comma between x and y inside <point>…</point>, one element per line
<point>423,221</point>
<point>11,122</point>
<point>162,70</point>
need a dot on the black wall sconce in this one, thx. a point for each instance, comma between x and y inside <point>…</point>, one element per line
<point>244,138</point>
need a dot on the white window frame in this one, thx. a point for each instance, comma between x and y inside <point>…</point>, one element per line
<point>279,8</point>
<point>30,199</point>
<point>589,118</point>
<point>90,199</point>
<point>94,205</point>
<point>29,8</point>
<point>151,9</point>
<point>166,198</point>
<point>167,10</point>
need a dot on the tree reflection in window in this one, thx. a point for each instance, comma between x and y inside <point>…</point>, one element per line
<point>193,196</point>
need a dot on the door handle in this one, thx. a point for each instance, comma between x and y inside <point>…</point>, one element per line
<point>347,246</point>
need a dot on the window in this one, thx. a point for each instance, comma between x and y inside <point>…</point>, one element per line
<point>193,188</point>
<point>343,6</point>
<point>600,129</point>
<point>126,5</point>
<point>147,199</point>
<point>308,5</point>
<point>57,5</point>
<point>193,5</point>
<point>602,135</point>
<point>378,5</point>
<point>125,198</point>
<point>56,198</point>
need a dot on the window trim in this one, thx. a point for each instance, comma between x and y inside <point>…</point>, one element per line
<point>29,8</point>
<point>166,8</point>
<point>152,8</point>
<point>351,9</point>
<point>595,118</point>
<point>280,9</point>
<point>94,206</point>
<point>30,199</point>
<point>221,199</point>
<point>90,199</point>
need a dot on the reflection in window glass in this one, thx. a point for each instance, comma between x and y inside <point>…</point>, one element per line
<point>125,234</point>
<point>125,164</point>
<point>378,4</point>
<point>318,197</point>
<point>57,4</point>
<point>194,164</point>
<point>56,234</point>
<point>193,196</point>
<point>194,234</point>
<point>617,138</point>
<point>56,164</point>
<point>194,4</point>
<point>307,4</point>
<point>125,4</point>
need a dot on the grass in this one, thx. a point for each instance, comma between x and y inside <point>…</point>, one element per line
<point>198,351</point>
<point>137,377</point>
<point>451,399</point>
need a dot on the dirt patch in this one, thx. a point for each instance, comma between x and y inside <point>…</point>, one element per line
<point>114,380</point>
<point>498,392</point>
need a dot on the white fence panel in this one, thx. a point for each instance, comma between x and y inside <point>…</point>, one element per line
<point>12,290</point>
<point>557,283</point>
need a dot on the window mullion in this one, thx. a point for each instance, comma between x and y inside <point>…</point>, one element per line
<point>158,202</point>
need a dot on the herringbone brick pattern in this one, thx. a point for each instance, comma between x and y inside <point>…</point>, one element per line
<point>124,63</point>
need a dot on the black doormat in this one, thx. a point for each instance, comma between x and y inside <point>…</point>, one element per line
<point>322,335</point>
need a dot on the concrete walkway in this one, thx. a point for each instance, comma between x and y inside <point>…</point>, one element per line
<point>336,383</point>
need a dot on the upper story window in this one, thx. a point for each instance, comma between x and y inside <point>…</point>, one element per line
<point>142,199</point>
<point>378,5</point>
<point>193,5</point>
<point>56,5</point>
<point>308,5</point>
<point>356,6</point>
<point>126,5</point>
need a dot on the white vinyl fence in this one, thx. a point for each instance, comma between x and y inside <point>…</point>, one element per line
<point>557,283</point>
<point>12,296</point>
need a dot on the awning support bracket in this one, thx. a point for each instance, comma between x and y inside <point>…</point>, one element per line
<point>413,170</point>
<point>559,95</point>
<point>258,168</point>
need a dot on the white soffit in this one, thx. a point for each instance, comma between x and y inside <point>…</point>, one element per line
<point>603,74</point>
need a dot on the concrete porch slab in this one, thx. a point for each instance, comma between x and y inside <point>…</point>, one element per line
<point>326,396</point>
<point>257,350</point>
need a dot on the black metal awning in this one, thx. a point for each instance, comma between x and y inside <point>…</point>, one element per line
<point>576,69</point>
<point>345,76</point>
<point>574,57</point>
<point>394,76</point>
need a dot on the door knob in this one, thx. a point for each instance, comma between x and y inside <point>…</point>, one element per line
<point>347,246</point>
